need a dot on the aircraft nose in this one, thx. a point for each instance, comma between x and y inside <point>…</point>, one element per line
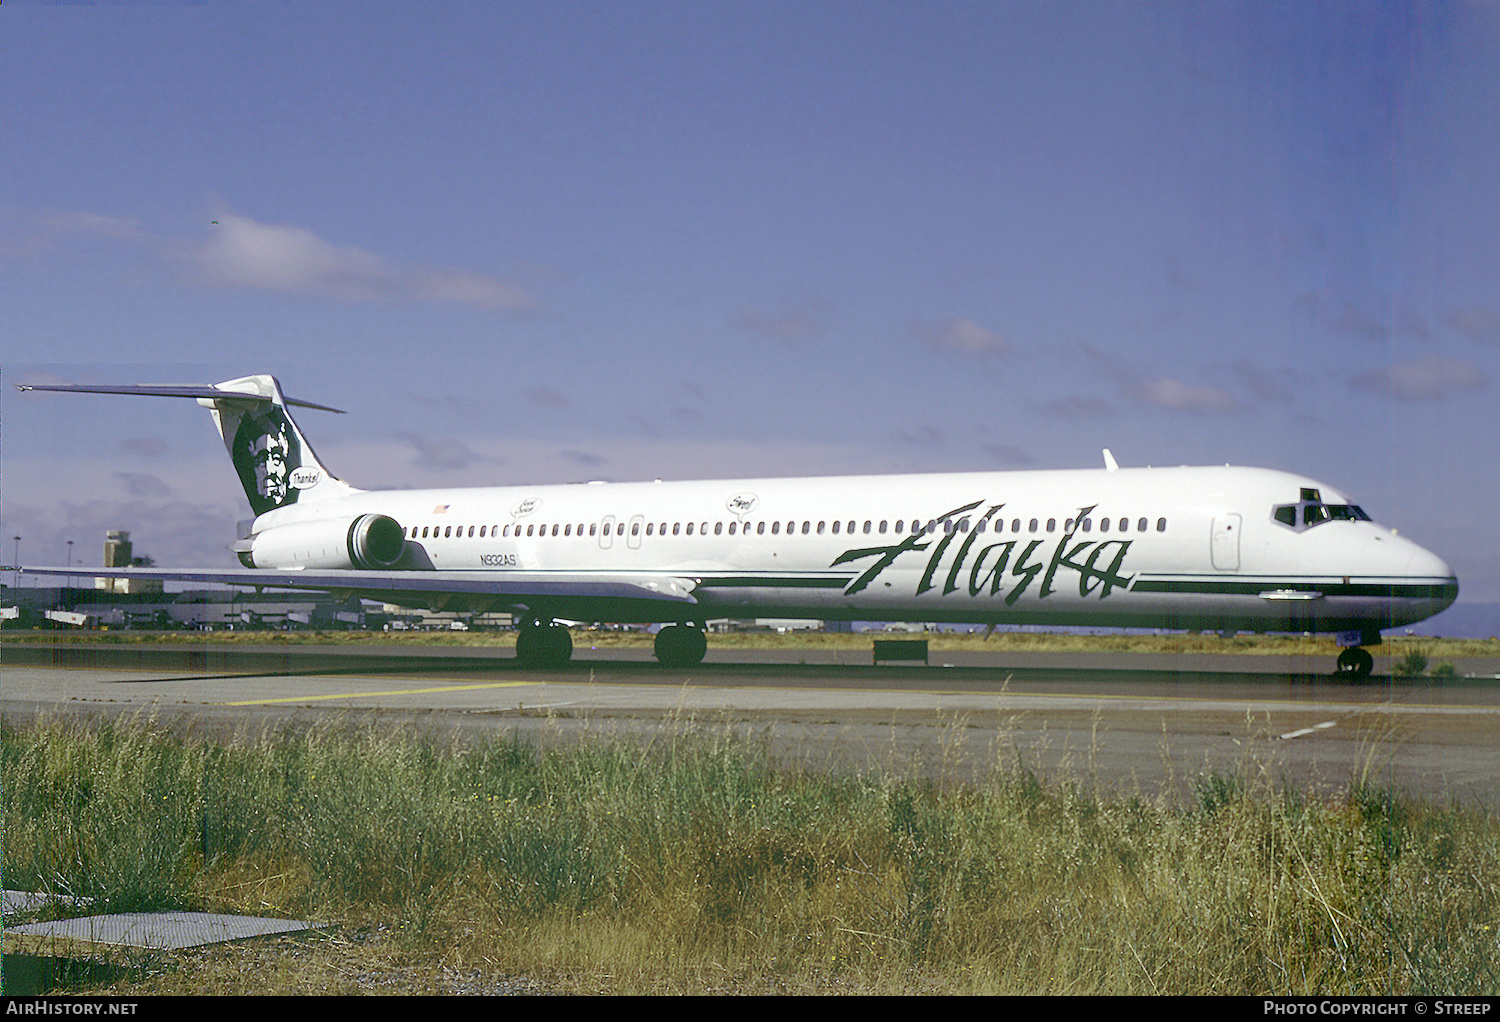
<point>1425,564</point>
<point>1443,591</point>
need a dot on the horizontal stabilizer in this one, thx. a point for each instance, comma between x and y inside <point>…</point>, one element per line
<point>171,390</point>
<point>275,463</point>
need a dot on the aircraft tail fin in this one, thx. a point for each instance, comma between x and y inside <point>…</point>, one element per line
<point>275,463</point>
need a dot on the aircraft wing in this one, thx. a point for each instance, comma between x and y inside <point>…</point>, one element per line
<point>577,595</point>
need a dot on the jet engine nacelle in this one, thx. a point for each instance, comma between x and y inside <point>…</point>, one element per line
<point>369,541</point>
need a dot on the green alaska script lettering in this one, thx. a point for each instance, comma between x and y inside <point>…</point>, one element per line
<point>987,570</point>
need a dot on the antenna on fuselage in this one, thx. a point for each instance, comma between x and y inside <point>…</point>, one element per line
<point>1110,465</point>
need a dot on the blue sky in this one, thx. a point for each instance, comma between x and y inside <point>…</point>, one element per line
<point>530,242</point>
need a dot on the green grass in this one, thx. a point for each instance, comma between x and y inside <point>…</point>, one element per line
<point>683,864</point>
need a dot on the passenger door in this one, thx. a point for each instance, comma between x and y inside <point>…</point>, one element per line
<point>1224,547</point>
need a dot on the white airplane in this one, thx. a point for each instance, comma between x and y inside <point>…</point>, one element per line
<point>1222,549</point>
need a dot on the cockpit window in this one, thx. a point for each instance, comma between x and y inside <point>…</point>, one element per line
<point>1312,511</point>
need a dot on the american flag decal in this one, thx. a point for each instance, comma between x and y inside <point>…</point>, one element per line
<point>441,509</point>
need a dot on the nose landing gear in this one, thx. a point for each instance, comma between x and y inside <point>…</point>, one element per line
<point>1354,664</point>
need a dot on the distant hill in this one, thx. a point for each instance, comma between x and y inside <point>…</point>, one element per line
<point>1461,621</point>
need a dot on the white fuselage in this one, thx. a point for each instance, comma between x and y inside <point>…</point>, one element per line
<point>1167,547</point>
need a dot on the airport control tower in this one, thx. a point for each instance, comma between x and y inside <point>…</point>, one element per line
<point>118,553</point>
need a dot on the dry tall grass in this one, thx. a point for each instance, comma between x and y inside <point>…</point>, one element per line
<point>685,864</point>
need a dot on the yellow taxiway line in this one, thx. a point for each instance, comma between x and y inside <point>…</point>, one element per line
<point>391,692</point>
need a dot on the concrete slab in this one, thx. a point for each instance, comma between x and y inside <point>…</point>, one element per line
<point>17,903</point>
<point>112,935</point>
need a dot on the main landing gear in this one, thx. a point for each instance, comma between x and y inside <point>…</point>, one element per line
<point>681,645</point>
<point>544,644</point>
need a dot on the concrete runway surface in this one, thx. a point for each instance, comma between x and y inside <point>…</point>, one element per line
<point>1124,722</point>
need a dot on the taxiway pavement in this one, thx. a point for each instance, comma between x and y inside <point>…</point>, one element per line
<point>1122,722</point>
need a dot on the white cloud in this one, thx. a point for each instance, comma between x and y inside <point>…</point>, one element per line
<point>244,253</point>
<point>965,337</point>
<point>1477,323</point>
<point>440,453</point>
<point>790,325</point>
<point>26,234</point>
<point>1176,396</point>
<point>545,397</point>
<point>1165,392</point>
<point>1009,454</point>
<point>1426,379</point>
<point>1080,406</point>
<point>142,485</point>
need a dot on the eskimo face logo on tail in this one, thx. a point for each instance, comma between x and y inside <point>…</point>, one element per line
<point>986,571</point>
<point>268,457</point>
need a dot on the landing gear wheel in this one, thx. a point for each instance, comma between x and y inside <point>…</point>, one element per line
<point>680,646</point>
<point>1355,664</point>
<point>544,645</point>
